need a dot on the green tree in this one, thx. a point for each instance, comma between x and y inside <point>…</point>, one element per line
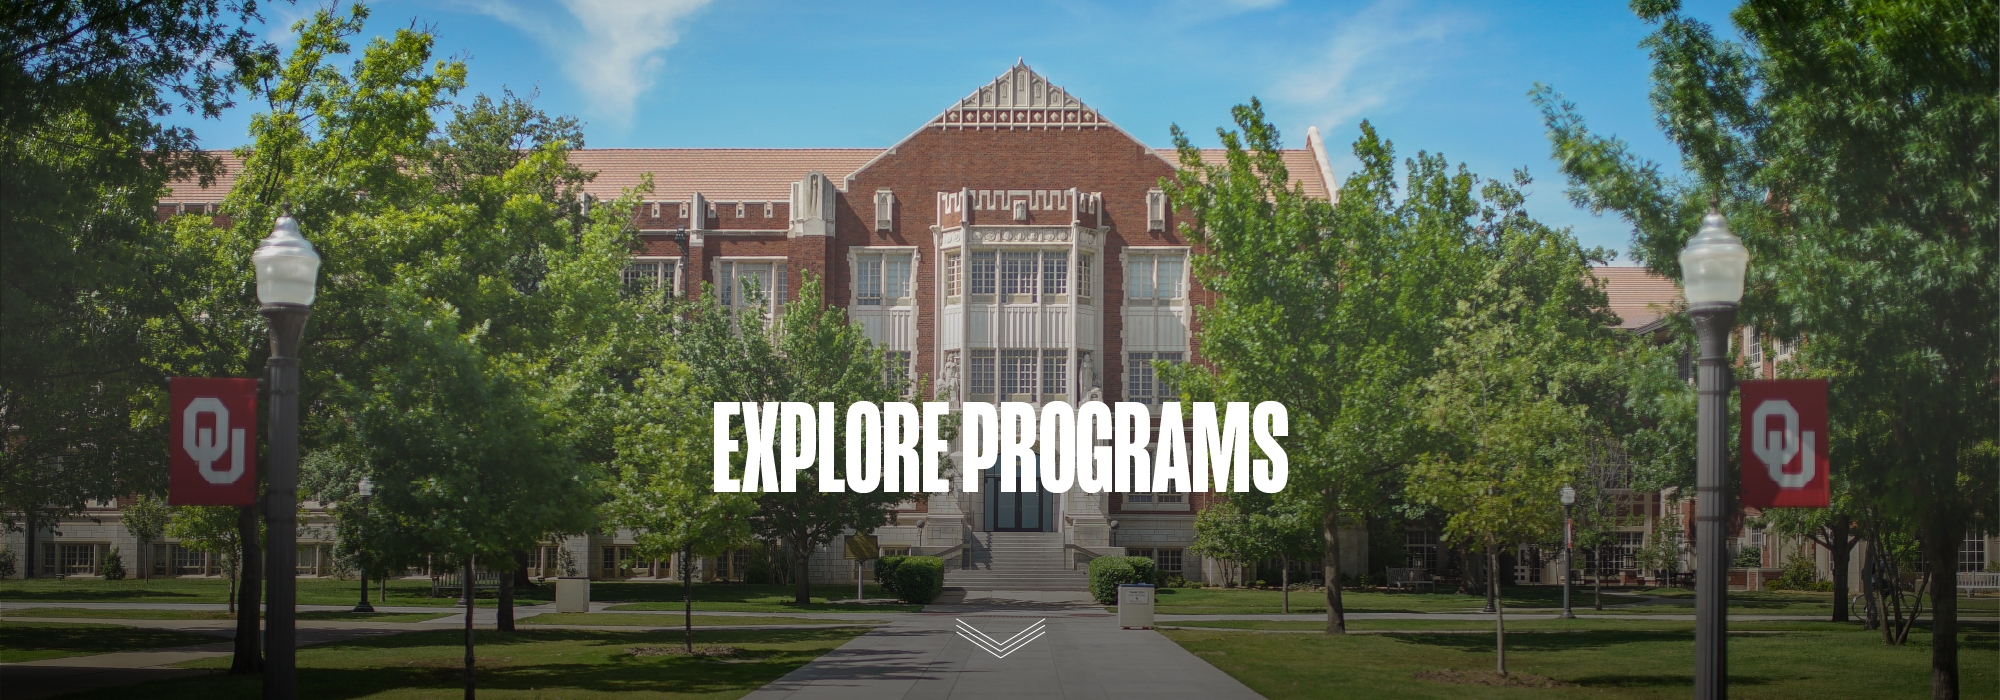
<point>86,87</point>
<point>146,518</point>
<point>1853,147</point>
<point>811,353</point>
<point>1329,308</point>
<point>663,487</point>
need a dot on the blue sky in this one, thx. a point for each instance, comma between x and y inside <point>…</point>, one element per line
<point>1448,77</point>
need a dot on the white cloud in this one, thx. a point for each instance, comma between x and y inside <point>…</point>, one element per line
<point>610,48</point>
<point>1370,58</point>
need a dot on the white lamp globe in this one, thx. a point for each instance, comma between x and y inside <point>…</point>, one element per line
<point>1712,264</point>
<point>366,487</point>
<point>1568,495</point>
<point>287,266</point>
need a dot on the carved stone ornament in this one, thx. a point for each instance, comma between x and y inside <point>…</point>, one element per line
<point>1021,234</point>
<point>950,383</point>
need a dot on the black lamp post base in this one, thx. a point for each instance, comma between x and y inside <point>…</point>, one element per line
<point>363,608</point>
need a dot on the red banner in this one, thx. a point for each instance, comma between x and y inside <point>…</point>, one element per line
<point>212,442</point>
<point>1784,443</point>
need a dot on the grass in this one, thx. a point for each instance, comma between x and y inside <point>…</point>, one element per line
<point>214,614</point>
<point>1677,601</point>
<point>717,597</point>
<point>34,641</point>
<point>526,664</point>
<point>647,620</point>
<point>1486,627</point>
<point>1596,664</point>
<point>311,591</point>
<point>741,597</point>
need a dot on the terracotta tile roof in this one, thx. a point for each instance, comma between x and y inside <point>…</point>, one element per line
<point>1638,295</point>
<point>183,191</point>
<point>1298,163</point>
<point>720,174</point>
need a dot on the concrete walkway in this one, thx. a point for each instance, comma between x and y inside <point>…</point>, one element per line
<point>1080,652</point>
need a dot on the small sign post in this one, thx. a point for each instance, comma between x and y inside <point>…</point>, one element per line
<point>861,548</point>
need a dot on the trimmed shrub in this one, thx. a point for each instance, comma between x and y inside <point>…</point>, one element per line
<point>919,579</point>
<point>1800,574</point>
<point>1106,573</point>
<point>113,567</point>
<point>6,563</point>
<point>885,572</point>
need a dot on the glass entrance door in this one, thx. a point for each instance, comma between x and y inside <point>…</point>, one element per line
<point>1015,512</point>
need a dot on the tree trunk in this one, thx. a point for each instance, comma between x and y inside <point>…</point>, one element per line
<point>1842,547</point>
<point>248,657</point>
<point>1596,579</point>
<point>1336,615</point>
<point>1285,582</point>
<point>802,585</point>
<point>28,571</point>
<point>1870,610</point>
<point>687,596</point>
<point>1940,543</point>
<point>1499,611</point>
<point>504,610</point>
<point>471,595</point>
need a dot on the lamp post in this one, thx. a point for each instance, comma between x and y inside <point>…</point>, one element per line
<point>366,488</point>
<point>1712,268</point>
<point>1568,495</point>
<point>287,269</point>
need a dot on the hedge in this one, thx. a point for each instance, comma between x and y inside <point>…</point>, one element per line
<point>1106,573</point>
<point>919,579</point>
<point>885,572</point>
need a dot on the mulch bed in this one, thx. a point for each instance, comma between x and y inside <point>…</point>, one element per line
<point>1511,680</point>
<point>704,651</point>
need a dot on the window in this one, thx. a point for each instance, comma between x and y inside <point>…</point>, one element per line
<point>1622,555</point>
<point>885,210</point>
<point>1017,276</point>
<point>984,271</point>
<point>1166,560</point>
<point>78,559</point>
<point>882,279</point>
<point>753,284</point>
<point>896,370</point>
<point>1421,548</point>
<point>1972,552</point>
<point>952,274</point>
<point>1141,384</point>
<point>1017,375</point>
<point>890,550</point>
<point>684,210</point>
<point>740,213</point>
<point>649,275</point>
<point>982,372</point>
<point>1156,210</point>
<point>1753,348</point>
<point>1083,286</point>
<point>306,561</point>
<point>769,211</point>
<point>1055,372</point>
<point>732,565</point>
<point>1153,278</point>
<point>1055,272</point>
<point>656,210</point>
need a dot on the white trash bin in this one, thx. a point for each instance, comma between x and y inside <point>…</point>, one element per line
<point>1135,606</point>
<point>572,595</point>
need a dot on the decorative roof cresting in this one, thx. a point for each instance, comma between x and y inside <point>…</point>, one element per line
<point>1019,99</point>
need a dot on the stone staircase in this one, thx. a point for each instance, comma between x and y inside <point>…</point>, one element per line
<point>1017,561</point>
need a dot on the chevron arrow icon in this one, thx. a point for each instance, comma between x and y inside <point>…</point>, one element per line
<point>997,648</point>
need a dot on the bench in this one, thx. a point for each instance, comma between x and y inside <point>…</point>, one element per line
<point>1410,579</point>
<point>451,585</point>
<point>1972,582</point>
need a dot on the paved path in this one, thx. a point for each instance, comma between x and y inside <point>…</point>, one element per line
<point>1081,653</point>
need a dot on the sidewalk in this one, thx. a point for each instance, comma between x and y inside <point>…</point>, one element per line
<point>1081,653</point>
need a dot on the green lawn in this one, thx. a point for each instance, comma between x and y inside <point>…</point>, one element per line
<point>526,664</point>
<point>213,614</point>
<point>33,641</point>
<point>645,620</point>
<point>740,597</point>
<point>1486,627</point>
<point>312,591</point>
<point>1232,601</point>
<point>1622,664</point>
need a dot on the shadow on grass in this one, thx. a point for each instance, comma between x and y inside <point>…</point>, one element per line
<point>89,595</point>
<point>94,639</point>
<point>1571,641</point>
<point>627,674</point>
<point>1657,680</point>
<point>491,638</point>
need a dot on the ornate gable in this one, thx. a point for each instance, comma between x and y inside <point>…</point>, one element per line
<point>1019,99</point>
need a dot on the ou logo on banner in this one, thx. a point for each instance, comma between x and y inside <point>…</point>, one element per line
<point>211,451</point>
<point>1784,443</point>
